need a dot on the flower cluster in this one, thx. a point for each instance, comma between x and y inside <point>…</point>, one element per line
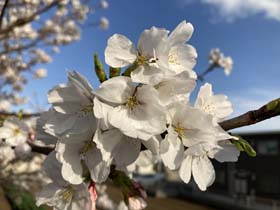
<point>98,132</point>
<point>32,30</point>
<point>15,134</point>
<point>217,58</point>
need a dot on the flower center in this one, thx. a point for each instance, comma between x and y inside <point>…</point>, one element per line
<point>179,130</point>
<point>132,102</point>
<point>173,58</point>
<point>66,195</point>
<point>142,59</point>
<point>16,131</point>
<point>208,108</point>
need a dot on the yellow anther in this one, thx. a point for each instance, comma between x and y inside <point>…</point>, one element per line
<point>16,131</point>
<point>66,195</point>
<point>132,102</point>
<point>173,58</point>
<point>180,130</point>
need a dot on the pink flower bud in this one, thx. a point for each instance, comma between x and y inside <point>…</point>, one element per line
<point>93,195</point>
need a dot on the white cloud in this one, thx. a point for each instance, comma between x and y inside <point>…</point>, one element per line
<point>253,99</point>
<point>233,9</point>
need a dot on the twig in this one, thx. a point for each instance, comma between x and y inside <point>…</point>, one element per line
<point>41,149</point>
<point>207,71</point>
<point>271,109</point>
<point>24,115</point>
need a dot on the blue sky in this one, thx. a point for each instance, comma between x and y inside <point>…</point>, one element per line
<point>251,38</point>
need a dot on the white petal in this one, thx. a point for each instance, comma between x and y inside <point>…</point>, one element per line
<point>81,83</point>
<point>147,75</point>
<point>53,169</point>
<point>127,151</point>
<point>99,169</point>
<point>169,89</point>
<point>153,144</point>
<point>116,90</point>
<point>171,152</point>
<point>227,153</point>
<point>69,153</point>
<point>120,51</point>
<point>203,172</point>
<point>181,34</point>
<point>151,40</point>
<point>46,196</point>
<point>182,58</point>
<point>185,171</point>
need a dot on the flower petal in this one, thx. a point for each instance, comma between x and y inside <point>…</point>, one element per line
<point>203,172</point>
<point>120,51</point>
<point>181,34</point>
<point>185,170</point>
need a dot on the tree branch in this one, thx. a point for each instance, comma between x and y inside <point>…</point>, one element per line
<point>41,149</point>
<point>23,21</point>
<point>24,115</point>
<point>3,12</point>
<point>271,109</point>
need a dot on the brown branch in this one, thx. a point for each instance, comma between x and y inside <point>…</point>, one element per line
<point>3,12</point>
<point>41,149</point>
<point>271,109</point>
<point>24,115</point>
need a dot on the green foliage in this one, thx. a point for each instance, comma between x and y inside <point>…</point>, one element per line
<point>20,199</point>
<point>244,146</point>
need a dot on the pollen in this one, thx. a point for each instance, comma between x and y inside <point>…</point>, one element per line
<point>132,102</point>
<point>208,108</point>
<point>66,195</point>
<point>16,131</point>
<point>179,130</point>
<point>173,58</point>
<point>141,59</point>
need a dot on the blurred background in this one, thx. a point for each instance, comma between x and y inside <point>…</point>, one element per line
<point>36,56</point>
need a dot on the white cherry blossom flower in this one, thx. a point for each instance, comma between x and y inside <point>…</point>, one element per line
<point>217,105</point>
<point>188,126</point>
<point>7,154</point>
<point>227,64</point>
<point>60,194</point>
<point>197,163</point>
<point>104,23</point>
<point>14,131</point>
<point>79,155</point>
<point>73,104</point>
<point>40,73</point>
<point>156,56</point>
<point>136,111</point>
